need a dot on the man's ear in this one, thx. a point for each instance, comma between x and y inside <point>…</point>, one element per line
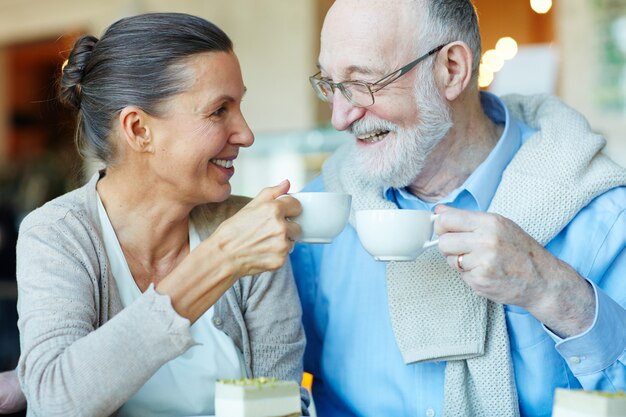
<point>455,68</point>
<point>134,129</point>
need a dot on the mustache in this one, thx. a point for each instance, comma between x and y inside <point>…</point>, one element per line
<point>364,126</point>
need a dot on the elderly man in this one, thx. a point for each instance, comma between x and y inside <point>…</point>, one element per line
<point>527,289</point>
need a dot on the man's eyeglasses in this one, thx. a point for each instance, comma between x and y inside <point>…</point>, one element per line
<point>361,93</point>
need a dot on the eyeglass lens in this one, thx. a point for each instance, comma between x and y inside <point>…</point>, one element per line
<point>356,93</point>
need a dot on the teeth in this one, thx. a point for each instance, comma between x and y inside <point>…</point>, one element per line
<point>374,136</point>
<point>222,162</point>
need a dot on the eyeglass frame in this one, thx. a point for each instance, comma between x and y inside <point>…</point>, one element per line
<point>380,84</point>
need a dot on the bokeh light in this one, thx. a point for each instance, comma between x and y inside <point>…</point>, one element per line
<point>492,60</point>
<point>485,76</point>
<point>506,47</point>
<point>541,6</point>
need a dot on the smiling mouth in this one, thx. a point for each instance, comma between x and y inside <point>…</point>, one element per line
<point>222,163</point>
<point>373,137</point>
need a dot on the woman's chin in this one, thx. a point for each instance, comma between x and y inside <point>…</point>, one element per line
<point>221,194</point>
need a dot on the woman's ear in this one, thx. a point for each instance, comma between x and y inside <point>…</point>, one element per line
<point>134,129</point>
<point>455,61</point>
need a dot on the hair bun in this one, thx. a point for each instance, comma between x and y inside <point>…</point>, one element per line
<point>74,71</point>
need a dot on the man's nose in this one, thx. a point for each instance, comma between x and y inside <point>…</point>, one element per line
<point>344,113</point>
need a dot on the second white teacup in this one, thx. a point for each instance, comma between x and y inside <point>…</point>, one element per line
<point>395,235</point>
<point>324,215</point>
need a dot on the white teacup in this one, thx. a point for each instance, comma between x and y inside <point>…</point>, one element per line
<point>324,215</point>
<point>395,235</point>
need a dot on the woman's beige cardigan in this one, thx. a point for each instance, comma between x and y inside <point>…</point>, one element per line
<point>83,355</point>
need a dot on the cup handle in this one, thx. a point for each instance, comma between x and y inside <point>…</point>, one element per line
<point>430,243</point>
<point>435,241</point>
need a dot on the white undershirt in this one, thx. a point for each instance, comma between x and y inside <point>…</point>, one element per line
<point>185,385</point>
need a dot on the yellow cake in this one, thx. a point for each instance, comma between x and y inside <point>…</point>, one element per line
<point>257,397</point>
<point>579,403</point>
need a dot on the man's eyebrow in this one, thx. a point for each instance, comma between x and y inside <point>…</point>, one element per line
<point>356,69</point>
<point>361,70</point>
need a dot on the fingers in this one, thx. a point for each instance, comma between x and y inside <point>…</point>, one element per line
<point>272,193</point>
<point>456,230</point>
<point>457,243</point>
<point>261,234</point>
<point>291,206</point>
<point>459,235</point>
<point>294,232</point>
<point>461,262</point>
<point>450,219</point>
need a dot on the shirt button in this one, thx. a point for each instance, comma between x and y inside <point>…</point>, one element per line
<point>574,360</point>
<point>430,413</point>
<point>218,322</point>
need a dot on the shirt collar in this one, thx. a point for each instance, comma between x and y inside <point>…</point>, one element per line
<point>478,190</point>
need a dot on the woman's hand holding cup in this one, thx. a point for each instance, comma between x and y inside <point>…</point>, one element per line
<point>256,239</point>
<point>259,237</point>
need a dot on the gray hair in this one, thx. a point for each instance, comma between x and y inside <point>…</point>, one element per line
<point>139,61</point>
<point>451,20</point>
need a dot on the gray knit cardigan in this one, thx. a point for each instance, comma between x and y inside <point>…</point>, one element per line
<point>83,354</point>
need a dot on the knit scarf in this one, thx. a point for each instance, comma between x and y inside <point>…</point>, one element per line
<point>435,316</point>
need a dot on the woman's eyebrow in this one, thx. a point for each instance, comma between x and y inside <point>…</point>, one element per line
<point>221,99</point>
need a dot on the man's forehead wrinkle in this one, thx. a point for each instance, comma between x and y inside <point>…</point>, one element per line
<point>363,58</point>
<point>384,3</point>
<point>367,39</point>
<point>393,26</point>
<point>350,67</point>
<point>396,9</point>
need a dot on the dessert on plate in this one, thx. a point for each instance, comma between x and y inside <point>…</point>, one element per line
<point>257,397</point>
<point>579,403</point>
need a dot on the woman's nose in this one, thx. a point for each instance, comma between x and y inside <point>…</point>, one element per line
<point>242,135</point>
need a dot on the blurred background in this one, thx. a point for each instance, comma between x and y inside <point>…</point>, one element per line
<point>575,49</point>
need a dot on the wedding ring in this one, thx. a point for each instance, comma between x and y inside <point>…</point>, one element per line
<point>459,262</point>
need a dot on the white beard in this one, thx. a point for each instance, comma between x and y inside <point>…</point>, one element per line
<point>396,162</point>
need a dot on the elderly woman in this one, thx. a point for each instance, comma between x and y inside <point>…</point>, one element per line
<point>141,288</point>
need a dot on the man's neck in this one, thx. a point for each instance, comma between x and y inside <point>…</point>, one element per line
<point>469,142</point>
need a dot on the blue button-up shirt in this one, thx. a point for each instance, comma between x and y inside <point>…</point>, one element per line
<point>351,348</point>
